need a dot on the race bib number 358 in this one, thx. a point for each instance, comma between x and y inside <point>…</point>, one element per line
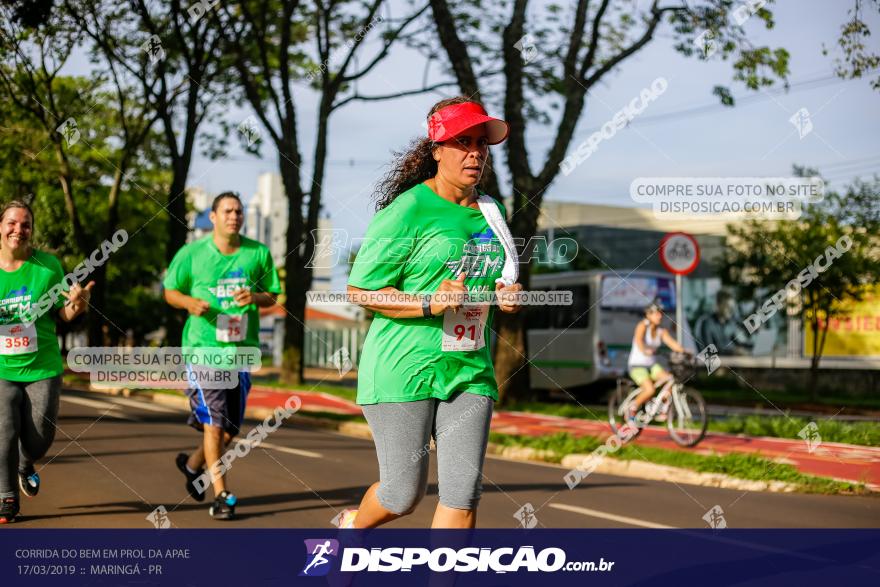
<point>16,339</point>
<point>464,330</point>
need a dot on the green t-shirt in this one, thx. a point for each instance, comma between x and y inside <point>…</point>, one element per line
<point>200,270</point>
<point>415,243</point>
<point>29,352</point>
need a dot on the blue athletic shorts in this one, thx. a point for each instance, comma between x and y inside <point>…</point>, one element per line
<point>223,408</point>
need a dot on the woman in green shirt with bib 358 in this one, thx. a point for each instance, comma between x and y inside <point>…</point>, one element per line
<point>32,292</point>
<point>426,370</point>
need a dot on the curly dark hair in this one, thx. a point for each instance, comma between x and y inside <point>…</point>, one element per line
<point>416,164</point>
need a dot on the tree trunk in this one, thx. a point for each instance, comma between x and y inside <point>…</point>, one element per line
<point>177,234</point>
<point>820,330</point>
<point>295,274</point>
<point>813,380</point>
<point>292,371</point>
<point>65,178</point>
<point>98,301</point>
<point>511,351</point>
<point>98,309</point>
<point>511,368</point>
<point>301,247</point>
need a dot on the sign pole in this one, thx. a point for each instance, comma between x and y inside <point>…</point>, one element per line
<point>679,311</point>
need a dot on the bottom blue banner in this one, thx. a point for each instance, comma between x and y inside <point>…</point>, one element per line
<point>416,557</point>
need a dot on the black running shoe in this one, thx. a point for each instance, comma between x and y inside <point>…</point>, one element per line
<point>29,482</point>
<point>224,506</point>
<point>181,460</point>
<point>8,509</point>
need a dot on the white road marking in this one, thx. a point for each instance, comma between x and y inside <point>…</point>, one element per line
<point>292,451</point>
<point>142,405</point>
<point>607,516</point>
<point>109,410</point>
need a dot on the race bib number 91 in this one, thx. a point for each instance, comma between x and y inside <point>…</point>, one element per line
<point>17,338</point>
<point>231,327</point>
<point>464,330</point>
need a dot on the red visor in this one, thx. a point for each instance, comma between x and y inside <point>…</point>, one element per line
<point>452,120</point>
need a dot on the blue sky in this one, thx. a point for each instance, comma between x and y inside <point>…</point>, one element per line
<point>753,139</point>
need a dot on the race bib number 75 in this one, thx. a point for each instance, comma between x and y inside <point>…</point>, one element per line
<point>231,327</point>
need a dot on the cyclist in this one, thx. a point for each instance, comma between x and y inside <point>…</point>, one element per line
<point>644,368</point>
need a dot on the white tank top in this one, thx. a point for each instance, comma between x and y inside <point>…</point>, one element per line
<point>639,359</point>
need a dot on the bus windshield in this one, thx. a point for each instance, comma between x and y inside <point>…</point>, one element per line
<point>636,291</point>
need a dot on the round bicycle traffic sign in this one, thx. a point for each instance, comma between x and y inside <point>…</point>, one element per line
<point>679,253</point>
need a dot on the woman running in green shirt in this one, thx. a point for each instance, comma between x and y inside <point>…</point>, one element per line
<point>30,359</point>
<point>426,369</point>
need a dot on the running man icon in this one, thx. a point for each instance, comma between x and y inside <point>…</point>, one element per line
<point>317,561</point>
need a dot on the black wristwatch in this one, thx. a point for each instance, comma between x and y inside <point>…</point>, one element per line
<point>426,307</point>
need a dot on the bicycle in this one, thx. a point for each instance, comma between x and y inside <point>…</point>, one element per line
<point>683,407</point>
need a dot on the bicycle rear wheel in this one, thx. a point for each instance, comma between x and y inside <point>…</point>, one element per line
<point>688,417</point>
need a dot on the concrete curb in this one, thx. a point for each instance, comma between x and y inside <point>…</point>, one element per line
<point>640,470</point>
<point>522,453</point>
<point>646,470</point>
<point>607,466</point>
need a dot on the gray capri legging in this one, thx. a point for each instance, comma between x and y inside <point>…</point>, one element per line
<point>28,412</point>
<point>402,432</point>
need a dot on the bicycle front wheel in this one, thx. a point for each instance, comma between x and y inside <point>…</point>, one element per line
<point>617,411</point>
<point>688,417</point>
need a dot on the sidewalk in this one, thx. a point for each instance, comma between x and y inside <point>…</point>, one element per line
<point>840,461</point>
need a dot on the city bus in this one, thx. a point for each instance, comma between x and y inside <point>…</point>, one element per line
<point>589,341</point>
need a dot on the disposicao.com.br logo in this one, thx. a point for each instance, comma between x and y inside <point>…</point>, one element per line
<point>439,560</point>
<point>318,556</point>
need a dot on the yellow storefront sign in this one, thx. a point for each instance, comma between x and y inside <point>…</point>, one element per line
<point>854,333</point>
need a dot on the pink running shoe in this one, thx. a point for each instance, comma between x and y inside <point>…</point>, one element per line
<point>346,519</point>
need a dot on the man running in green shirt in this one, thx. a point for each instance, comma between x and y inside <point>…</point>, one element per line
<point>221,280</point>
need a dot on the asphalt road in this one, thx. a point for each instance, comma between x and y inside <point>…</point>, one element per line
<point>112,464</point>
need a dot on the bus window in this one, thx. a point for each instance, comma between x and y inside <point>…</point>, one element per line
<point>577,315</point>
<point>539,317</point>
<point>636,291</point>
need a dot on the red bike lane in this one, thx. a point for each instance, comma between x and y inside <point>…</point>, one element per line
<point>826,459</point>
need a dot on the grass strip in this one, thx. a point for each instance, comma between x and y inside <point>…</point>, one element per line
<point>345,392</point>
<point>742,466</point>
<point>333,416</point>
<point>861,433</point>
